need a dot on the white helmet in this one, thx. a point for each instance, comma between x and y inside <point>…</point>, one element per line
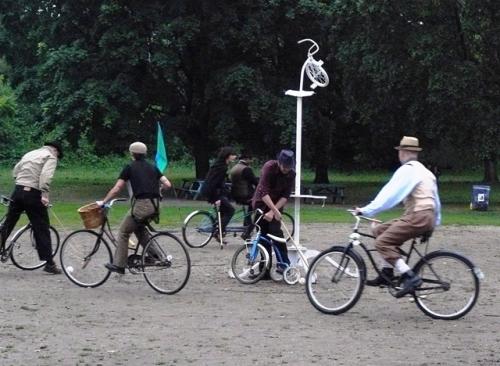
<point>138,148</point>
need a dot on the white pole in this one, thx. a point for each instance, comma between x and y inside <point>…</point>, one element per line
<point>298,159</point>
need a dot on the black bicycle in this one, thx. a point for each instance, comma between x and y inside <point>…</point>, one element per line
<point>21,249</point>
<point>164,261</point>
<point>201,226</point>
<point>450,287</point>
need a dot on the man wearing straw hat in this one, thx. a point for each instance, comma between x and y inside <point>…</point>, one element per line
<point>145,180</point>
<point>416,186</point>
<point>33,175</point>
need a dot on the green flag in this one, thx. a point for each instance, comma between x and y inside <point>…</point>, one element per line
<point>161,151</point>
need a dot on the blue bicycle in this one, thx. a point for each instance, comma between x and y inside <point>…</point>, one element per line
<point>251,261</point>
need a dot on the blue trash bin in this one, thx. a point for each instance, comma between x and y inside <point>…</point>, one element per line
<point>480,197</point>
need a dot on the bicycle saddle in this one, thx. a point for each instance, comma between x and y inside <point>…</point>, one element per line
<point>426,236</point>
<point>277,238</point>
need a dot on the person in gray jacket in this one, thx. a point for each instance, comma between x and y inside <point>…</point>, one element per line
<point>33,175</point>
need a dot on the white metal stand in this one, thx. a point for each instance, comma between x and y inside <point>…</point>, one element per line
<point>318,77</point>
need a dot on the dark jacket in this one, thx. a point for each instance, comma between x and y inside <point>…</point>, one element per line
<point>214,185</point>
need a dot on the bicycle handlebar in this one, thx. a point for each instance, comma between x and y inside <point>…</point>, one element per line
<point>359,217</point>
<point>112,202</point>
<point>314,46</point>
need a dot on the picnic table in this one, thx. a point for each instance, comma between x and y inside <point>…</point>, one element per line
<point>190,189</point>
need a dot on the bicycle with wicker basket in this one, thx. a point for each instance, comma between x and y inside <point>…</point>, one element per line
<point>164,261</point>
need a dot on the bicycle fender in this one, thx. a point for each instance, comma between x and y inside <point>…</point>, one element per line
<point>188,217</point>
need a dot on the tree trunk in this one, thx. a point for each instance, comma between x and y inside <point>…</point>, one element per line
<point>322,148</point>
<point>321,173</point>
<point>201,160</point>
<point>490,171</point>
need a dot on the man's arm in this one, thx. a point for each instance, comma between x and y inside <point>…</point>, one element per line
<point>165,182</point>
<point>113,192</point>
<point>46,175</point>
<point>274,208</point>
<point>401,184</point>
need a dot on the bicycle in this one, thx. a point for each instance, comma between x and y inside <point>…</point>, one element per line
<point>164,262</point>
<point>450,287</point>
<point>201,226</point>
<point>22,247</point>
<point>251,261</point>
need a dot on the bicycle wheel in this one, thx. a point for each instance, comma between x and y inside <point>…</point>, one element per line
<point>198,228</point>
<point>24,254</point>
<point>450,285</point>
<point>83,256</point>
<point>249,263</point>
<point>335,280</point>
<point>291,275</point>
<point>166,263</point>
<point>289,222</point>
<point>316,73</point>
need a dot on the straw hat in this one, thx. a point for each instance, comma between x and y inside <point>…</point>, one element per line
<point>409,143</point>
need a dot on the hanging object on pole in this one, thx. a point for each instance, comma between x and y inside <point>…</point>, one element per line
<point>317,75</point>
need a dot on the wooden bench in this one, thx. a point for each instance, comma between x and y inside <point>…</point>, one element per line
<point>331,191</point>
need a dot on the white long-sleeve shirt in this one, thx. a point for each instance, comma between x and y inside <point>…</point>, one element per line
<point>402,184</point>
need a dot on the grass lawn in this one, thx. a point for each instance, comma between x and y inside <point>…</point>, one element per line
<point>74,186</point>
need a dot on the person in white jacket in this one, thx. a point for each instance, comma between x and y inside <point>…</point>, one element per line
<point>415,186</point>
<point>33,175</point>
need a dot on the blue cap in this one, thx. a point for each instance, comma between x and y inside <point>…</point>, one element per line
<point>286,159</point>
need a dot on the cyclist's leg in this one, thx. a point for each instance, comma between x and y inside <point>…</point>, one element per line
<point>247,219</point>
<point>408,227</point>
<point>143,211</point>
<point>274,228</point>
<point>127,227</point>
<point>390,236</point>
<point>16,208</point>
<point>226,211</point>
<point>39,219</point>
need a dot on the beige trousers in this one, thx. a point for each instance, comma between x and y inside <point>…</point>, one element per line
<point>143,209</point>
<point>392,234</point>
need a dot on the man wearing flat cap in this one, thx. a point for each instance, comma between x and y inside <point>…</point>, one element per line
<point>33,175</point>
<point>145,180</point>
<point>415,186</point>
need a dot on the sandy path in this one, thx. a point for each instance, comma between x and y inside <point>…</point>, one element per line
<point>46,320</point>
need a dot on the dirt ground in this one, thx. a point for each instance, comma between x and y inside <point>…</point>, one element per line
<point>214,320</point>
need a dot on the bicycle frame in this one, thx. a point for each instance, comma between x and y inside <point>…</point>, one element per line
<point>106,232</point>
<point>355,236</point>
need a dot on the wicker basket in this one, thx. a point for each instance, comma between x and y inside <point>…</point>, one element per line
<point>92,215</point>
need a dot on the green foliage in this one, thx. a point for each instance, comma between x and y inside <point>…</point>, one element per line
<point>99,74</point>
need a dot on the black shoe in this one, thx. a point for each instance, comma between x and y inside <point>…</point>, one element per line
<point>410,282</point>
<point>52,268</point>
<point>388,275</point>
<point>112,268</point>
